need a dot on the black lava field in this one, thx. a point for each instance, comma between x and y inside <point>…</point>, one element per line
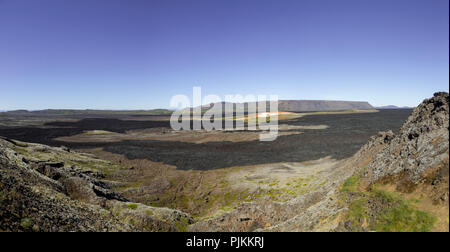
<point>344,137</point>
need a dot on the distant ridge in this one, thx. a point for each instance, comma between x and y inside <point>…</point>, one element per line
<point>313,105</point>
<point>393,107</point>
<point>321,105</point>
<point>57,112</point>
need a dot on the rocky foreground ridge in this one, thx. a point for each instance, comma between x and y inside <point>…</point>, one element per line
<point>40,193</point>
<point>418,154</point>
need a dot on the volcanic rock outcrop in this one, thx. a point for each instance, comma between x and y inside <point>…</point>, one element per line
<point>43,195</point>
<point>418,154</point>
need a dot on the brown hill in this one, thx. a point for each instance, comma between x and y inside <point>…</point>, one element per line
<point>321,105</point>
<point>306,105</point>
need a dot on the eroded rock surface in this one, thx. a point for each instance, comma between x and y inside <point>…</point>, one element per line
<point>419,153</point>
<point>42,195</point>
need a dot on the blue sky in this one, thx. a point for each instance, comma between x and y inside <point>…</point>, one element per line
<point>137,54</point>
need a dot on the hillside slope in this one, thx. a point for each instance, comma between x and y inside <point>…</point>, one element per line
<point>53,189</point>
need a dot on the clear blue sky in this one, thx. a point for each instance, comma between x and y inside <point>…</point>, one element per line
<point>136,54</point>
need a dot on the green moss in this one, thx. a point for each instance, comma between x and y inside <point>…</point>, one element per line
<point>274,183</point>
<point>248,179</point>
<point>181,227</point>
<point>21,151</point>
<point>94,165</point>
<point>404,218</point>
<point>183,224</point>
<point>226,209</point>
<point>391,213</point>
<point>223,184</point>
<point>132,206</point>
<point>358,211</point>
<point>351,184</point>
<point>129,185</point>
<point>26,223</point>
<point>386,196</point>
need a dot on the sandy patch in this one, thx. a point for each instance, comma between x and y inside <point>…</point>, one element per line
<point>200,136</point>
<point>288,177</point>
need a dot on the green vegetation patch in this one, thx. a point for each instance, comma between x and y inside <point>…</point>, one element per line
<point>382,211</point>
<point>351,184</point>
<point>132,206</point>
<point>183,224</point>
<point>358,211</point>
<point>26,223</point>
<point>404,218</point>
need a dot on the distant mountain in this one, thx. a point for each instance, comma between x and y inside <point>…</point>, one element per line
<point>58,112</point>
<point>321,105</point>
<point>19,111</point>
<point>393,107</point>
<point>312,105</point>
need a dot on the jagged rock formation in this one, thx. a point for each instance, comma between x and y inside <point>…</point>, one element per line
<point>42,195</point>
<point>418,154</point>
